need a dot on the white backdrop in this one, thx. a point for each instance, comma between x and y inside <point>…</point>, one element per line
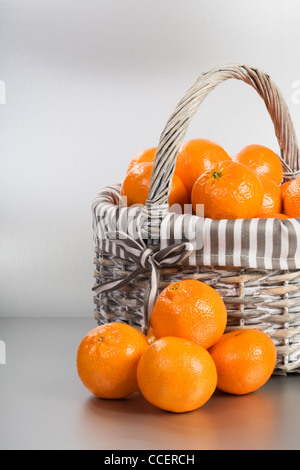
<point>91,82</point>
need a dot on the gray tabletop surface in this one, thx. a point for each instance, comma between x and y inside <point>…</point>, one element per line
<point>43,404</point>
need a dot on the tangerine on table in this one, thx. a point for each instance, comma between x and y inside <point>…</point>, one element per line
<point>136,185</point>
<point>291,199</point>
<point>262,160</point>
<point>197,156</point>
<point>176,375</point>
<point>229,191</point>
<point>191,310</point>
<point>107,360</point>
<point>245,360</point>
<point>272,199</point>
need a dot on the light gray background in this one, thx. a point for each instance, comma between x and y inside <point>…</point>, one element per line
<point>89,83</point>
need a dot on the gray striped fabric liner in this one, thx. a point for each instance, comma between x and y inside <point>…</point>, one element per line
<point>255,243</point>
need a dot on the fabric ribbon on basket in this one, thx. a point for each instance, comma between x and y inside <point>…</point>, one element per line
<point>148,260</point>
<point>246,243</point>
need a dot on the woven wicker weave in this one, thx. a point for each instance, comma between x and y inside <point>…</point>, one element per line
<point>255,298</point>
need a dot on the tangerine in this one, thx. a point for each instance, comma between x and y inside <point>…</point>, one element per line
<point>136,185</point>
<point>272,199</point>
<point>191,310</point>
<point>176,375</point>
<point>229,191</point>
<point>107,360</point>
<point>262,160</point>
<point>245,360</point>
<point>291,199</point>
<point>283,187</point>
<point>144,156</point>
<point>197,156</point>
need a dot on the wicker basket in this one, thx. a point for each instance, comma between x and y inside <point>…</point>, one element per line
<point>254,264</point>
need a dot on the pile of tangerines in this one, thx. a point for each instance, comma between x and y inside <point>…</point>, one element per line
<point>182,361</point>
<point>247,185</point>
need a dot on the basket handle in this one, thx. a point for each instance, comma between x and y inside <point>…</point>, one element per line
<point>177,125</point>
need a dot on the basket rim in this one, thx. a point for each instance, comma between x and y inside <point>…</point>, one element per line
<point>246,243</point>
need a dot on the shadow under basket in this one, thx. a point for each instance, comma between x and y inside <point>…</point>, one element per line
<point>253,264</point>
